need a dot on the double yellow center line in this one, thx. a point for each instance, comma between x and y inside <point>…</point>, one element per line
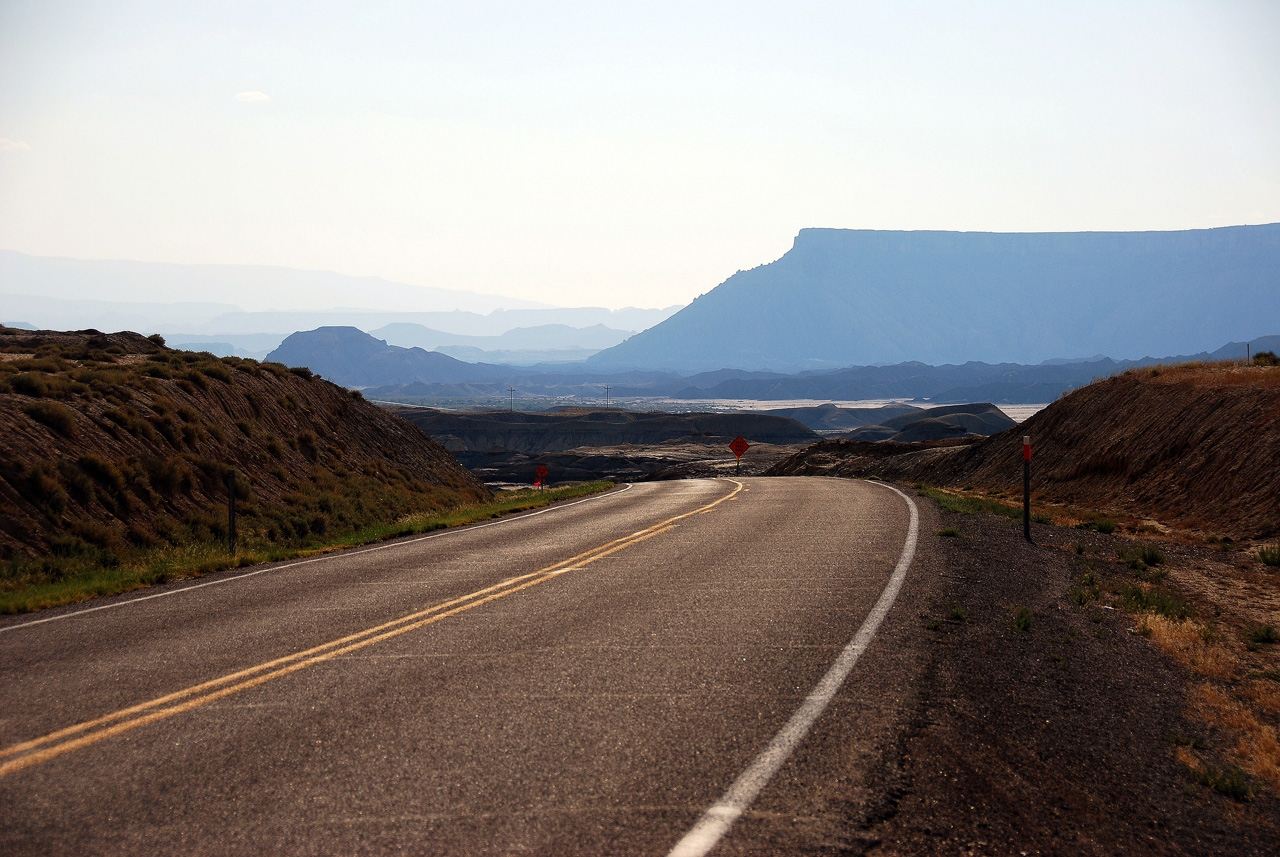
<point>28,753</point>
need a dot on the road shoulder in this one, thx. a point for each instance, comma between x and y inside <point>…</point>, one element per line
<point>1054,735</point>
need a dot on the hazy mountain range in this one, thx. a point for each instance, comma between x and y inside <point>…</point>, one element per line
<point>859,297</point>
<point>351,357</point>
<point>249,310</point>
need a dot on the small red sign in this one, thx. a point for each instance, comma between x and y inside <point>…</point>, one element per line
<point>542,472</point>
<point>739,446</point>
<point>1026,449</point>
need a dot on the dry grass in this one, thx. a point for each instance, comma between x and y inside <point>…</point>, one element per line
<point>1187,641</point>
<point>1263,694</point>
<point>1228,373</point>
<point>1257,743</point>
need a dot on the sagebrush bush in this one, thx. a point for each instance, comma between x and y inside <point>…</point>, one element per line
<point>55,416</point>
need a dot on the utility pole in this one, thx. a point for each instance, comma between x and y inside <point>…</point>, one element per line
<point>511,399</point>
<point>606,397</point>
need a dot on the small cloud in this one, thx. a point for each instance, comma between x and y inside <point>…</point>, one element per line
<point>6,144</point>
<point>253,97</point>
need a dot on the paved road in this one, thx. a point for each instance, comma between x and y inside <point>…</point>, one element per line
<point>588,679</point>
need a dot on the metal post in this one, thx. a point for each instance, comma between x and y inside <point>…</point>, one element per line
<point>1026,488</point>
<point>606,397</point>
<point>231,511</point>
<point>511,399</point>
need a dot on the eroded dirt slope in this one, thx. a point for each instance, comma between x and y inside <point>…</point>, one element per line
<point>113,440</point>
<point>1195,446</point>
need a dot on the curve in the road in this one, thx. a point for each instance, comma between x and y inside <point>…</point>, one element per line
<point>717,820</point>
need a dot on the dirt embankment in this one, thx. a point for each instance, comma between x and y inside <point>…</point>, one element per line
<point>108,441</point>
<point>1194,446</point>
<point>1050,719</point>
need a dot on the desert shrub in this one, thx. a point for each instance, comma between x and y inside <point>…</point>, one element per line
<point>128,419</point>
<point>68,546</point>
<point>218,372</point>
<point>1270,555</point>
<point>99,535</point>
<point>1262,634</point>
<point>1140,557</point>
<point>29,384</point>
<point>172,475</point>
<point>246,427</point>
<point>1021,619</point>
<point>157,371</point>
<point>278,369</point>
<point>1230,782</point>
<point>355,394</point>
<point>307,445</point>
<point>187,414</point>
<point>274,448</point>
<point>1154,600</point>
<point>191,434</point>
<point>77,483</point>
<point>56,417</point>
<point>1266,358</point>
<point>39,486</point>
<point>301,371</point>
<point>1106,526</point>
<point>102,472</point>
<point>157,339</point>
<point>168,427</point>
<point>195,379</point>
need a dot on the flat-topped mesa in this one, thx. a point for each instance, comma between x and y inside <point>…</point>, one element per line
<point>860,297</point>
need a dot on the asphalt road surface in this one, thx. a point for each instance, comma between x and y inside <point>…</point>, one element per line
<point>660,667</point>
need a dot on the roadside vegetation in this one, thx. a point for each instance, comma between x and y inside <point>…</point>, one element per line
<point>77,570</point>
<point>1233,661</point>
<point>118,455</point>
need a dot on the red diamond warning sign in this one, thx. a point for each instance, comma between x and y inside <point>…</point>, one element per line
<point>739,446</point>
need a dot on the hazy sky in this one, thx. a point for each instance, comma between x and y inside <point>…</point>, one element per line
<point>586,154</point>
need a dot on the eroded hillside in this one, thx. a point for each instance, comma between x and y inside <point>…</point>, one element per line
<point>1195,446</point>
<point>112,441</point>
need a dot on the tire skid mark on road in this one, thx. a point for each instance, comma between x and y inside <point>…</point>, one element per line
<point>27,753</point>
<point>716,821</point>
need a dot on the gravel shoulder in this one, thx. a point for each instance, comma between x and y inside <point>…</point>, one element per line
<point>1070,736</point>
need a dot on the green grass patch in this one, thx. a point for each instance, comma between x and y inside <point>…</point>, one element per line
<point>1141,557</point>
<point>950,533</point>
<point>1261,634</point>
<point>1154,600</point>
<point>77,569</point>
<point>1106,526</point>
<point>958,612</point>
<point>1021,618</point>
<point>968,505</point>
<point>1230,782</point>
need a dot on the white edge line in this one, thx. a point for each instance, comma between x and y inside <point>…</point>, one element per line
<point>717,820</point>
<point>332,555</point>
